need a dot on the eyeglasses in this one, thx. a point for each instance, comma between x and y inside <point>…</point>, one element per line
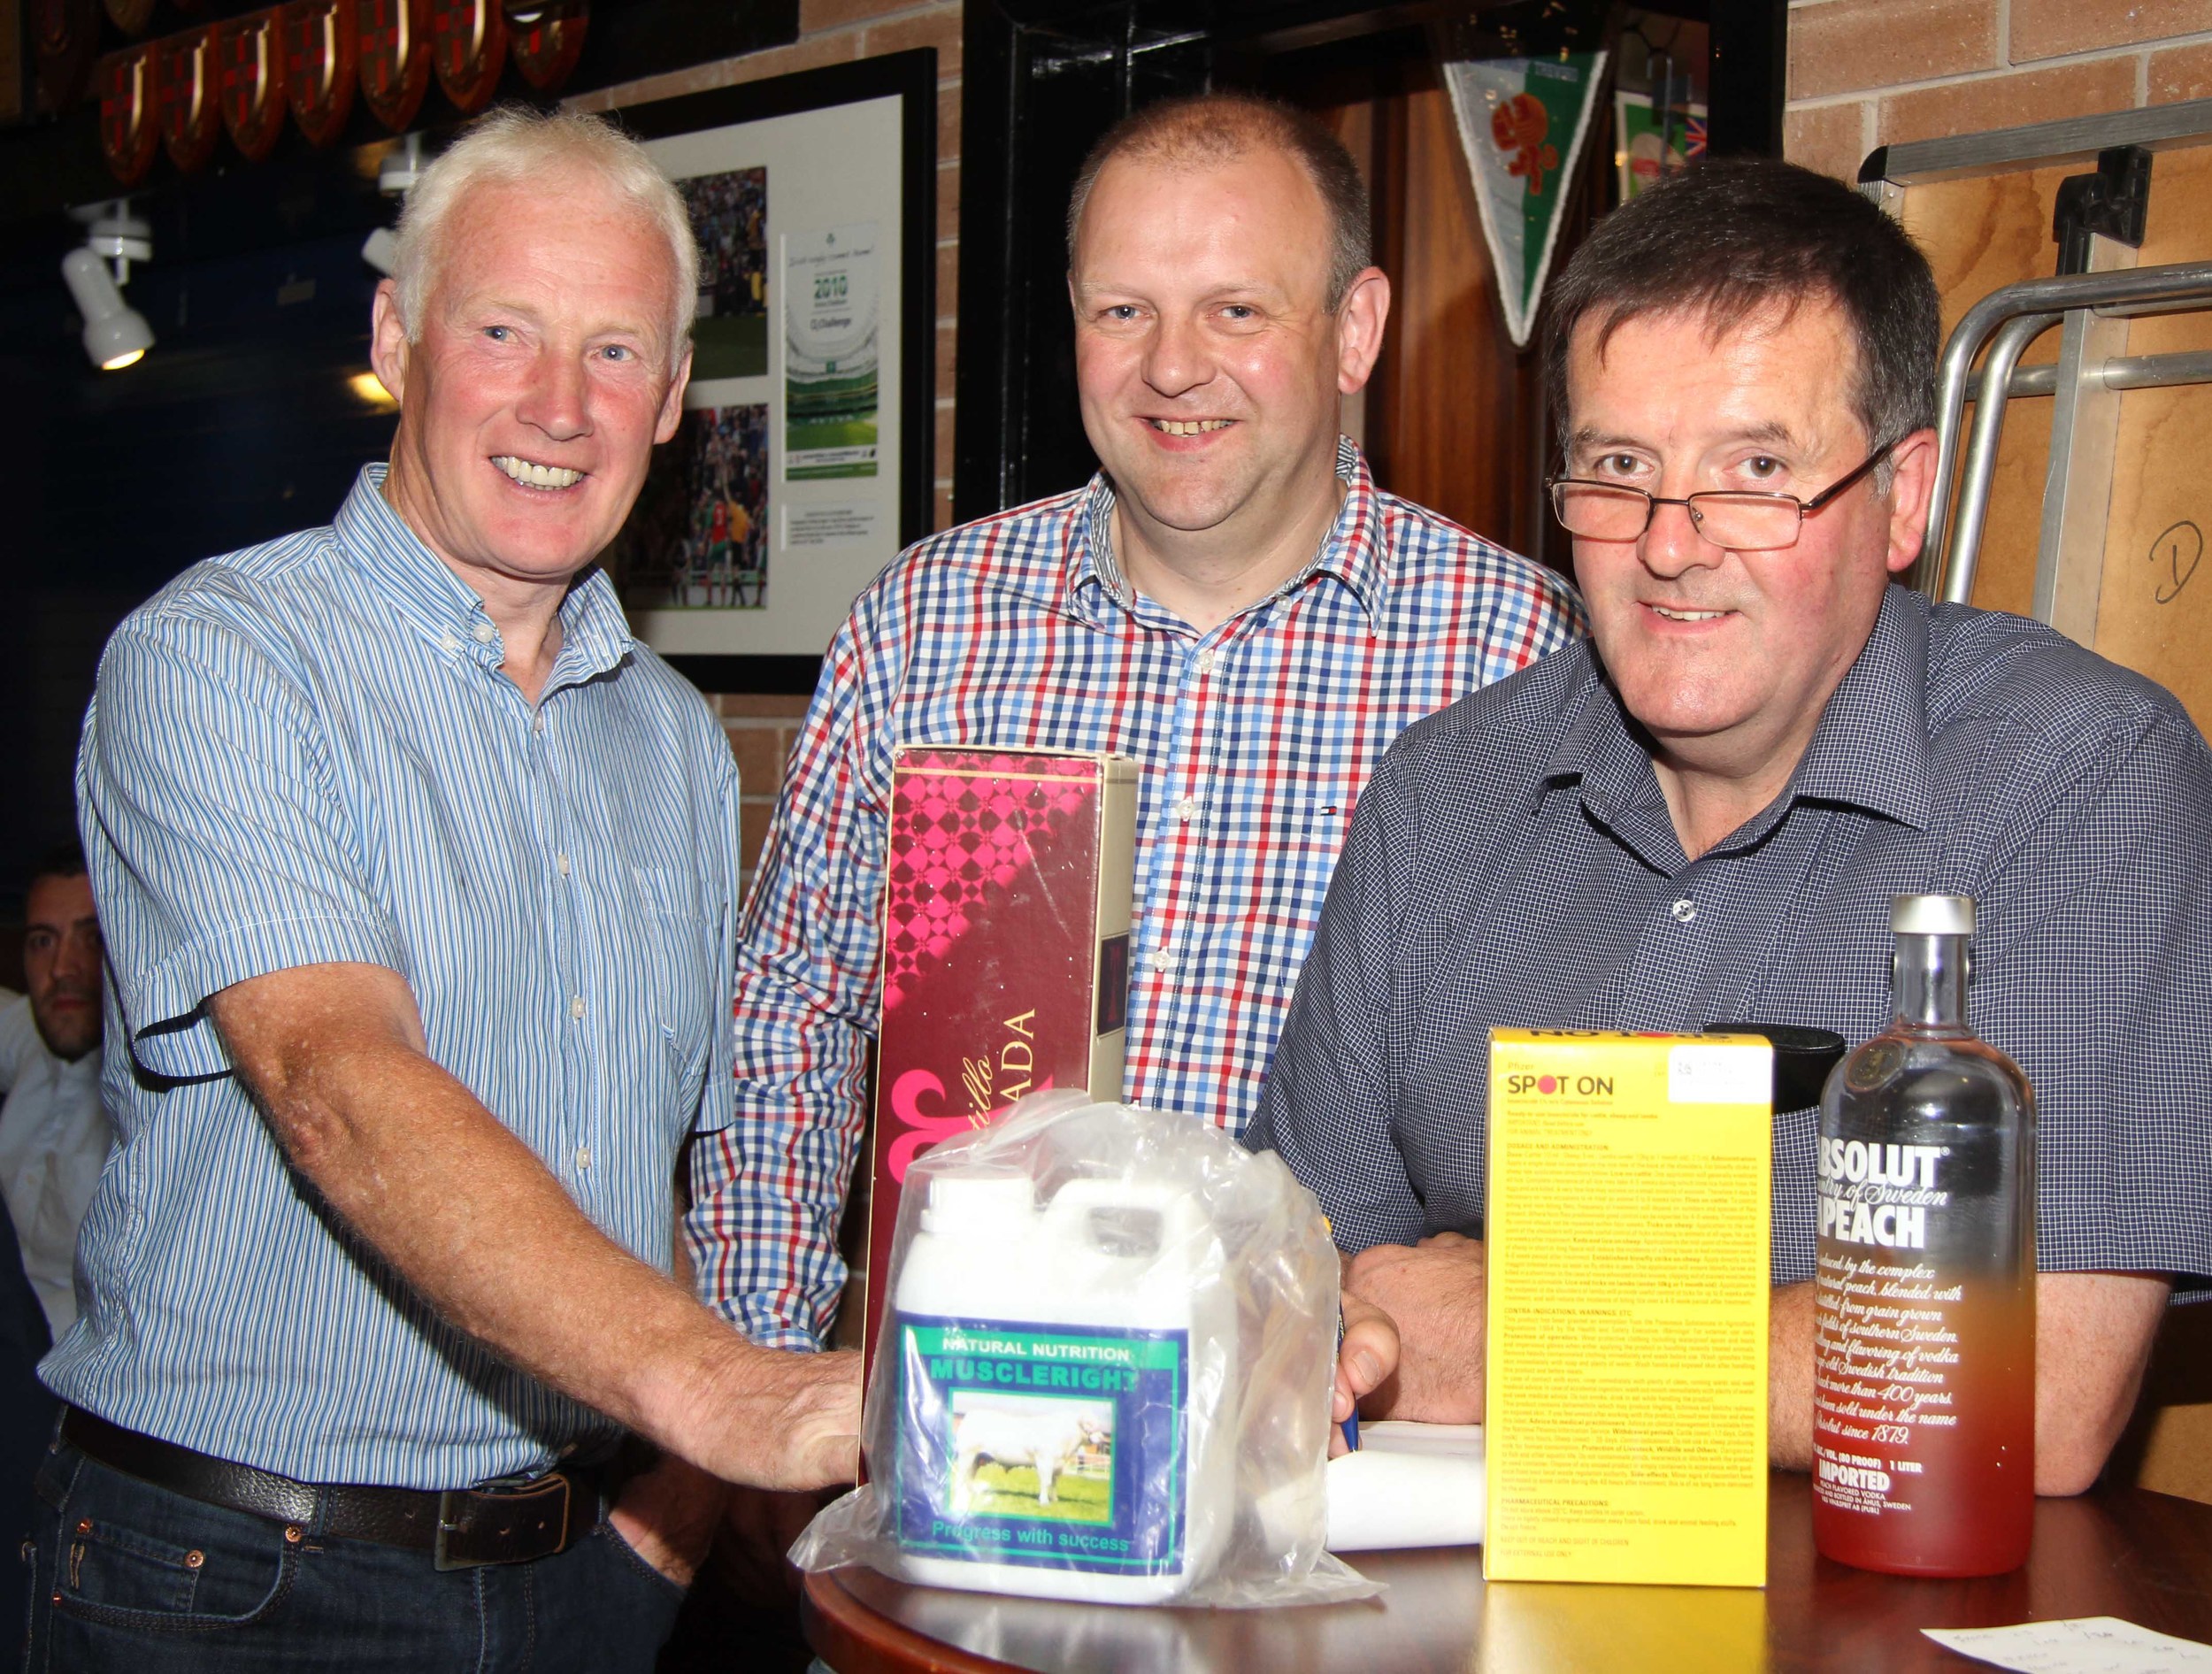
<point>1740,521</point>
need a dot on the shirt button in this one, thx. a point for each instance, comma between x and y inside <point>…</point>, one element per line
<point>1188,809</point>
<point>483,631</point>
<point>560,863</point>
<point>1683,911</point>
<point>1204,662</point>
<point>576,1005</point>
<point>537,722</point>
<point>583,1156</point>
<point>1163,960</point>
<point>449,643</point>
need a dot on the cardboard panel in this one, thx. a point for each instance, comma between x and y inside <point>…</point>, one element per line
<point>2156,609</point>
<point>2156,612</point>
<point>1980,234</point>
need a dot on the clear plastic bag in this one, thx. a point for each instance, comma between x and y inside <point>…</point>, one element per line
<point>1103,1371</point>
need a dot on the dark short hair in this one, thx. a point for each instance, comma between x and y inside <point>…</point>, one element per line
<point>1209,129</point>
<point>1732,238</point>
<point>63,860</point>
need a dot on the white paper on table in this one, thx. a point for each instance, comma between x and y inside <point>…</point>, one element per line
<point>1408,1485</point>
<point>2087,1644</point>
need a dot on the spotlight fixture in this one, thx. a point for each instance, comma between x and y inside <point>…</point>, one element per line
<point>396,177</point>
<point>116,334</point>
<point>378,251</point>
<point>400,168</point>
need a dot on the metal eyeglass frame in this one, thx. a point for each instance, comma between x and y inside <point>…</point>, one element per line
<point>1688,502</point>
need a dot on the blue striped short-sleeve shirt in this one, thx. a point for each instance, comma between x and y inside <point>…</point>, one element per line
<point>305,752</point>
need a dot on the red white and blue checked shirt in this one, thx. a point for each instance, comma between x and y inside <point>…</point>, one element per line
<point>1255,739</point>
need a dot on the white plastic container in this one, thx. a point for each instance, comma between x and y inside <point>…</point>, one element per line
<point>1064,1390</point>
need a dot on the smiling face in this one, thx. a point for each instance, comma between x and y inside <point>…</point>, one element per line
<point>537,384</point>
<point>1728,658</point>
<point>61,963</point>
<point>1209,367</point>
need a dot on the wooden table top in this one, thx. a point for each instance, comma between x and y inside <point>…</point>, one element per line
<point>2123,1551</point>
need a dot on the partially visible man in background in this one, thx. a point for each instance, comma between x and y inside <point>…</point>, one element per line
<point>53,1137</point>
<point>53,1133</point>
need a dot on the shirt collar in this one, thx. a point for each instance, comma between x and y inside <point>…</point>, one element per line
<point>438,604</point>
<point>1353,551</point>
<point>1872,747</point>
<point>1869,750</point>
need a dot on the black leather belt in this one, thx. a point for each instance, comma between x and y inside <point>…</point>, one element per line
<point>496,1522</point>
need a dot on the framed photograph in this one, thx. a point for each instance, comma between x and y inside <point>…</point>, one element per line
<point>805,458</point>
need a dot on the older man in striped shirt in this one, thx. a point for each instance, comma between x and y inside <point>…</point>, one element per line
<point>417,875</point>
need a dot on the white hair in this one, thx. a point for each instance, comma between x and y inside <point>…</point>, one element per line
<point>517,146</point>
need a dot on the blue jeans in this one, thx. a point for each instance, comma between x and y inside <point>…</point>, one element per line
<point>131,1579</point>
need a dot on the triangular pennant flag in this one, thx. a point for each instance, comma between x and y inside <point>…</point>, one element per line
<point>1522,122</point>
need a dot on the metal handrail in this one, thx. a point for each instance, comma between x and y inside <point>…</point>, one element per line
<point>2122,291</point>
<point>2124,371</point>
<point>1981,446</point>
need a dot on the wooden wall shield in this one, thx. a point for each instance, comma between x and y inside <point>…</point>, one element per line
<point>322,61</point>
<point>468,46</point>
<point>545,41</point>
<point>131,16</point>
<point>130,129</point>
<point>394,47</point>
<point>249,63</point>
<point>65,39</point>
<point>185,96</point>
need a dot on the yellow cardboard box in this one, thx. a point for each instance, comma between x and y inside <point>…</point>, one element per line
<point>1627,1227</point>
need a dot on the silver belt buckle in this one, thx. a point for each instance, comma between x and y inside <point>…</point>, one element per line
<point>499,1523</point>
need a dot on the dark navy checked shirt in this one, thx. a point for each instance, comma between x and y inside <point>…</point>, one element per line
<point>1513,863</point>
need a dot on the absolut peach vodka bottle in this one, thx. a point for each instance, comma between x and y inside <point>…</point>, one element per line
<point>1923,1351</point>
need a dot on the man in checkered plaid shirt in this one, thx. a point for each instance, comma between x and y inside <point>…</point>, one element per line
<point>1699,817</point>
<point>1233,602</point>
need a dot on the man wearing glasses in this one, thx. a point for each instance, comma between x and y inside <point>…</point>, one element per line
<point>1699,816</point>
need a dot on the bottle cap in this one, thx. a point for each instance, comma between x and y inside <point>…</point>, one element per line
<point>1931,914</point>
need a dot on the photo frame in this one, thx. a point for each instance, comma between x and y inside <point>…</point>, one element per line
<point>804,461</point>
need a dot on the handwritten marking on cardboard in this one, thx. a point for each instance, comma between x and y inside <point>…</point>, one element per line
<point>2182,547</point>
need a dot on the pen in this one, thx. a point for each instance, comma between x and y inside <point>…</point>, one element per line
<point>1350,1427</point>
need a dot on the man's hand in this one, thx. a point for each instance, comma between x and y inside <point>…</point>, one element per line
<point>1368,1355</point>
<point>1433,1292</point>
<point>668,1516</point>
<point>775,1418</point>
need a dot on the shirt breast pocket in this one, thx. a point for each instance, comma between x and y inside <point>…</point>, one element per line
<point>682,982</point>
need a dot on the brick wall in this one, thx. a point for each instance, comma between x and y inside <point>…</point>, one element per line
<point>1868,73</point>
<point>762,728</point>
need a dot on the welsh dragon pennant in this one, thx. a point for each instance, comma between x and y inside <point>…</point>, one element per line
<point>1522,122</point>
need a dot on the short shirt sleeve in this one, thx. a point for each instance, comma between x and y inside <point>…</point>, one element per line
<point>2093,971</point>
<point>219,847</point>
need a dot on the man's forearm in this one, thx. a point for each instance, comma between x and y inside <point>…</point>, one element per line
<point>2094,1334</point>
<point>470,1217</point>
<point>1433,1294</point>
<point>768,1196</point>
<point>1790,1377</point>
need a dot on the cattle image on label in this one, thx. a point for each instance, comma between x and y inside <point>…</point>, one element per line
<point>1022,1456</point>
